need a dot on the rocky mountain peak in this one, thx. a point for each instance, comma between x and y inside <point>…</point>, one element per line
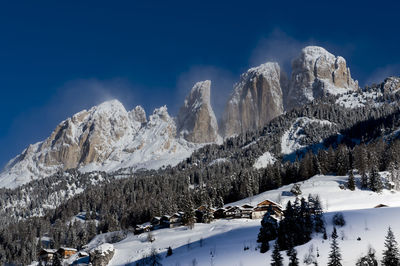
<point>196,119</point>
<point>106,138</point>
<point>138,114</point>
<point>256,99</point>
<point>391,85</point>
<point>316,72</point>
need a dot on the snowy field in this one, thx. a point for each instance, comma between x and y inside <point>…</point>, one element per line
<point>223,241</point>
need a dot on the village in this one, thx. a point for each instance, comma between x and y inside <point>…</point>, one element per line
<point>47,256</point>
<point>229,212</point>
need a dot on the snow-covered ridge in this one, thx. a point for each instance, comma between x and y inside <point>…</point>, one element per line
<point>104,138</point>
<point>294,138</point>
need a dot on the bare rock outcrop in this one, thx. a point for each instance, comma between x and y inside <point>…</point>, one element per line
<point>196,119</point>
<point>101,255</point>
<point>315,73</point>
<point>391,85</point>
<point>256,99</point>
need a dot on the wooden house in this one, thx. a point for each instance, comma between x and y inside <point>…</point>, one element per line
<point>47,255</point>
<point>155,221</point>
<point>172,221</point>
<point>165,221</point>
<point>233,212</point>
<point>200,211</point>
<point>175,220</point>
<point>219,213</point>
<point>66,252</point>
<point>246,211</point>
<point>263,207</point>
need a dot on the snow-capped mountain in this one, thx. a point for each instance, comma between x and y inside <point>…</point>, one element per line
<point>107,137</point>
<point>256,99</point>
<point>265,92</point>
<point>315,73</point>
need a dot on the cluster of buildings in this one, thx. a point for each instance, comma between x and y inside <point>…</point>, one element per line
<point>230,212</point>
<point>170,221</point>
<point>47,255</point>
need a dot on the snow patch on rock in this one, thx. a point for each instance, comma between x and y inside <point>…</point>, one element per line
<point>264,160</point>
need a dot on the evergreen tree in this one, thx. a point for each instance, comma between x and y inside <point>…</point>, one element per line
<point>189,216</point>
<point>351,184</point>
<point>319,223</point>
<point>268,230</point>
<point>368,260</point>
<point>277,259</point>
<point>169,251</point>
<point>334,256</point>
<point>208,215</point>
<point>293,260</point>
<point>360,159</point>
<point>287,228</point>
<point>305,221</point>
<point>56,260</point>
<point>342,160</point>
<point>364,180</point>
<point>375,181</point>
<point>391,254</point>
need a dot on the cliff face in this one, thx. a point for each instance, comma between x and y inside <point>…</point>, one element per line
<point>196,119</point>
<point>256,99</point>
<point>104,138</point>
<point>315,73</point>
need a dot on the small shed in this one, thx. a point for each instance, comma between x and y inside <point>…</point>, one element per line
<point>46,255</point>
<point>141,228</point>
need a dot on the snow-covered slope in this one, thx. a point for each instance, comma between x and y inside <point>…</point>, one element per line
<point>295,138</point>
<point>223,242</point>
<point>106,138</point>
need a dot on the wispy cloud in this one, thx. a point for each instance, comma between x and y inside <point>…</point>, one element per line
<point>277,47</point>
<point>37,123</point>
<point>221,85</point>
<point>381,73</point>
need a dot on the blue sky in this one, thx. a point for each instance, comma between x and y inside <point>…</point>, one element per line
<point>58,57</point>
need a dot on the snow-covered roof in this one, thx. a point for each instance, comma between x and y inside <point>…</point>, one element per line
<point>69,249</point>
<point>48,250</point>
